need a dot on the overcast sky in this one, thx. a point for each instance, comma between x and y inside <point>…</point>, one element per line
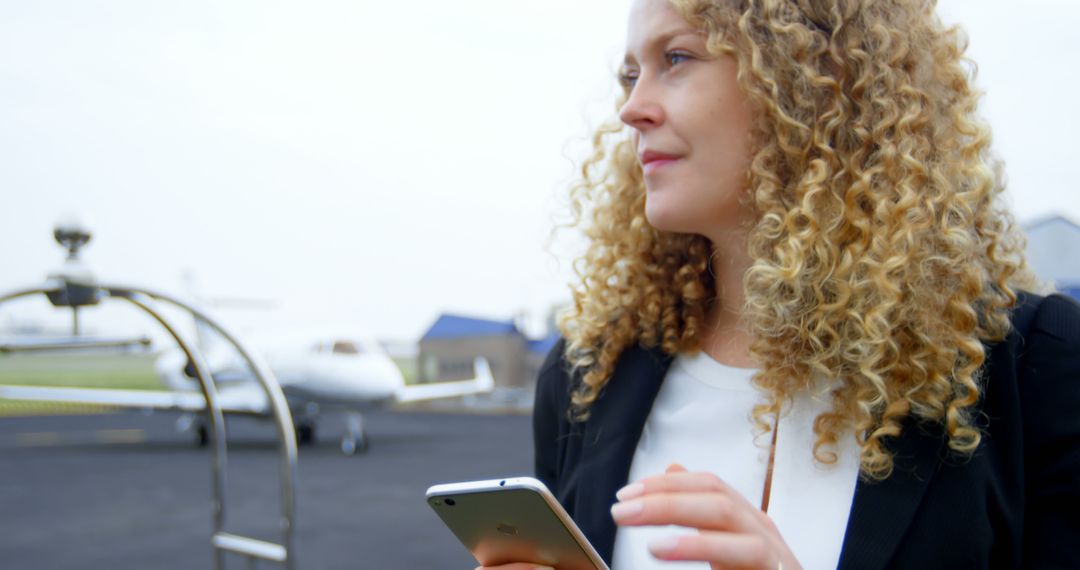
<point>376,163</point>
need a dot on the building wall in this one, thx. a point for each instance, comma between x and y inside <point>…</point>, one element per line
<point>442,360</point>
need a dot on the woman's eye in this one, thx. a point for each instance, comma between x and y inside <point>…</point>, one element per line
<point>628,77</point>
<point>676,57</point>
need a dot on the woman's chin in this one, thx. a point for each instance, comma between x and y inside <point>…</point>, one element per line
<point>666,219</point>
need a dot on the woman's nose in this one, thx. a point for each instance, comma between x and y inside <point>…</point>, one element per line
<point>642,109</point>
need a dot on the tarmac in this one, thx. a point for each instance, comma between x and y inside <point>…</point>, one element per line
<point>127,490</point>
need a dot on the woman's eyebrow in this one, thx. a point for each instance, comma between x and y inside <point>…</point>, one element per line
<point>660,39</point>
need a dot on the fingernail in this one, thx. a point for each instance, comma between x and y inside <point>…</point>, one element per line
<point>675,468</point>
<point>663,546</point>
<point>543,568</point>
<point>630,491</point>
<point>626,510</point>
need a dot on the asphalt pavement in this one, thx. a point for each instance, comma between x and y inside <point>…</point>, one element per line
<point>126,490</point>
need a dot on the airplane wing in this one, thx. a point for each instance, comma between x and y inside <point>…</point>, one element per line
<point>69,343</point>
<point>231,401</point>
<point>483,382</point>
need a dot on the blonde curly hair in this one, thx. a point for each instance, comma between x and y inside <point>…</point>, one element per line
<point>881,259</point>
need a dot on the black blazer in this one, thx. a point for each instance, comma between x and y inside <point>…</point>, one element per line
<point>1014,504</point>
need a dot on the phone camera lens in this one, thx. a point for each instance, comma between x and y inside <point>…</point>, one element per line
<point>502,483</point>
<point>451,502</point>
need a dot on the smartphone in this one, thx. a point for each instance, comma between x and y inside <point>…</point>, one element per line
<point>513,520</point>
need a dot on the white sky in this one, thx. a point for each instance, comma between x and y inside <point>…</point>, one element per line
<point>376,163</point>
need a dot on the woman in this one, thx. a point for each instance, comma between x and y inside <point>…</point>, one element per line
<point>799,285</point>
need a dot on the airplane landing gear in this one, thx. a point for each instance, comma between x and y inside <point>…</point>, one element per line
<point>355,438</point>
<point>192,424</point>
<point>305,433</point>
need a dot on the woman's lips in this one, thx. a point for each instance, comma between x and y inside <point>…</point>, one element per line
<point>656,164</point>
<point>651,160</point>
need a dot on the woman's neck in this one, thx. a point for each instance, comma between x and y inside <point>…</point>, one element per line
<point>725,338</point>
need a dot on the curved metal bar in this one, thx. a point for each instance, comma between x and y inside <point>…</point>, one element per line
<point>279,406</point>
<point>26,293</point>
<point>213,408</point>
<point>274,396</point>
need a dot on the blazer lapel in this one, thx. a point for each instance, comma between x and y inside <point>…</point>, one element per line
<point>882,511</point>
<point>611,434</point>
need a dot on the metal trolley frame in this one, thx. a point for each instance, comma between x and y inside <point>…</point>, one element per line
<point>73,292</point>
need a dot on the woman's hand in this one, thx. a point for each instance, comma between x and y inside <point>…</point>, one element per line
<point>515,566</point>
<point>732,533</point>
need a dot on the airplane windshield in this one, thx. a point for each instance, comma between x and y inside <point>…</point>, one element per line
<point>345,347</point>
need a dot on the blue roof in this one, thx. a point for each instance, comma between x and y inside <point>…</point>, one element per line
<point>456,326</point>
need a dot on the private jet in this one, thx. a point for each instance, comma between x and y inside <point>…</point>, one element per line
<point>323,372</point>
<point>320,374</point>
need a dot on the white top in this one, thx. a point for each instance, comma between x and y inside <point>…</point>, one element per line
<point>701,419</point>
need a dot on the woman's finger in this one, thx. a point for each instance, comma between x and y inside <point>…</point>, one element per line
<point>721,549</point>
<point>709,511</point>
<point>675,468</point>
<point>673,480</point>
<point>682,481</point>
<point>515,566</point>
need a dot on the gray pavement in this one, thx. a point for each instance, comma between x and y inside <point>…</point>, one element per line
<point>123,491</point>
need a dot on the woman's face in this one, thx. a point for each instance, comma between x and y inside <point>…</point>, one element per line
<point>691,123</point>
